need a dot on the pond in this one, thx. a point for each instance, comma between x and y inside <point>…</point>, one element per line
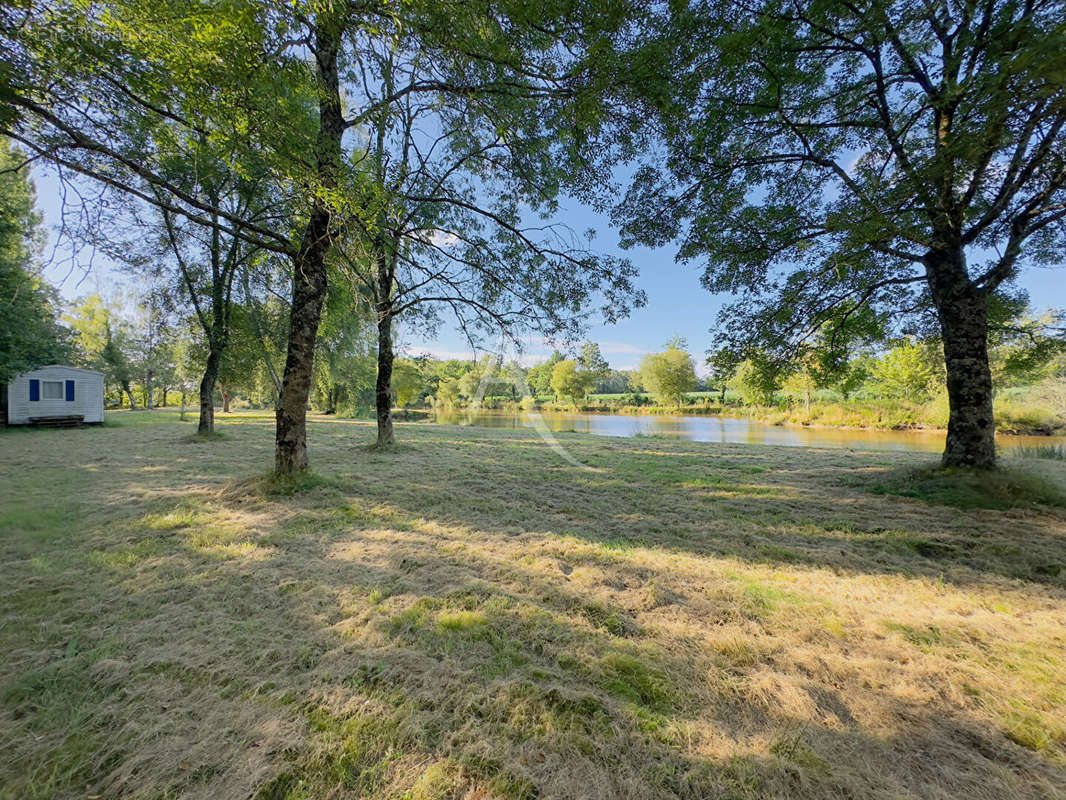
<point>723,429</point>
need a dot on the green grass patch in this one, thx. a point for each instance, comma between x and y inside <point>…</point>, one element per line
<point>277,485</point>
<point>925,637</point>
<point>274,485</point>
<point>612,620</point>
<point>41,524</point>
<point>125,557</point>
<point>201,437</point>
<point>1033,732</point>
<point>59,702</point>
<point>971,488</point>
<point>388,449</point>
<point>462,621</point>
<point>441,781</point>
<point>759,600</point>
<point>1047,452</point>
<point>355,754</point>
<point>637,679</point>
<point>506,783</point>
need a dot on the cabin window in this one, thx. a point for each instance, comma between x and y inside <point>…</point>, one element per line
<point>51,390</point>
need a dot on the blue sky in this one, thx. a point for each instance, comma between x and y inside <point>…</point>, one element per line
<point>677,304</point>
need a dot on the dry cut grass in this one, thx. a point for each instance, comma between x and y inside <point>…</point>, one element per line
<point>472,617</point>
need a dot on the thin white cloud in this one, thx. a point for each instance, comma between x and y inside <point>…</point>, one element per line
<point>536,349</point>
<point>442,353</point>
<point>443,239</point>
<point>854,162</point>
<point>526,359</point>
<point>619,349</point>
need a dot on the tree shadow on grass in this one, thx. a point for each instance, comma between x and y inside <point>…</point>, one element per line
<point>518,693</point>
<point>364,661</point>
<point>496,624</point>
<point>744,503</point>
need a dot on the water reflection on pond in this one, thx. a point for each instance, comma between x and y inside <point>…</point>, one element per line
<point>721,429</point>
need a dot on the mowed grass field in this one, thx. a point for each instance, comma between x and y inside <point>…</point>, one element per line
<point>474,617</point>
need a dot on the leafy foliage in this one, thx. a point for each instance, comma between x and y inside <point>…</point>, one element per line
<point>755,380</point>
<point>29,333</point>
<point>570,380</point>
<point>407,382</point>
<point>669,374</point>
<point>858,167</point>
<point>539,376</point>
<point>905,372</point>
<point>805,179</point>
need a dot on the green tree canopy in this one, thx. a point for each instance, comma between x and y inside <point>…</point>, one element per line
<point>905,372</point>
<point>593,362</point>
<point>828,157</point>
<point>670,374</point>
<point>755,380</point>
<point>407,382</point>
<point>30,335</point>
<point>570,381</point>
<point>539,376</point>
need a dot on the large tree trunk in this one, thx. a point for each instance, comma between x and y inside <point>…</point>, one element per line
<point>309,269</point>
<point>383,386</point>
<point>129,393</point>
<point>309,290</point>
<point>207,392</point>
<point>963,313</point>
<point>164,403</point>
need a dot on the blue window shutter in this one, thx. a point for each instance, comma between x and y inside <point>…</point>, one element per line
<point>70,391</point>
<point>35,390</point>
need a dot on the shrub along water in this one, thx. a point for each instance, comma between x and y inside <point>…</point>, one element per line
<point>1012,415</point>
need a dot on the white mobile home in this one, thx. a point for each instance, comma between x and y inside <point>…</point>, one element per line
<point>53,393</point>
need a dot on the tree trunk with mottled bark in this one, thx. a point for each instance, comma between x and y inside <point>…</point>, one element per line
<point>383,386</point>
<point>207,392</point>
<point>962,310</point>
<point>309,290</point>
<point>309,267</point>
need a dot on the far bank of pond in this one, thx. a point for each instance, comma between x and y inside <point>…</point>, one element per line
<point>722,429</point>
